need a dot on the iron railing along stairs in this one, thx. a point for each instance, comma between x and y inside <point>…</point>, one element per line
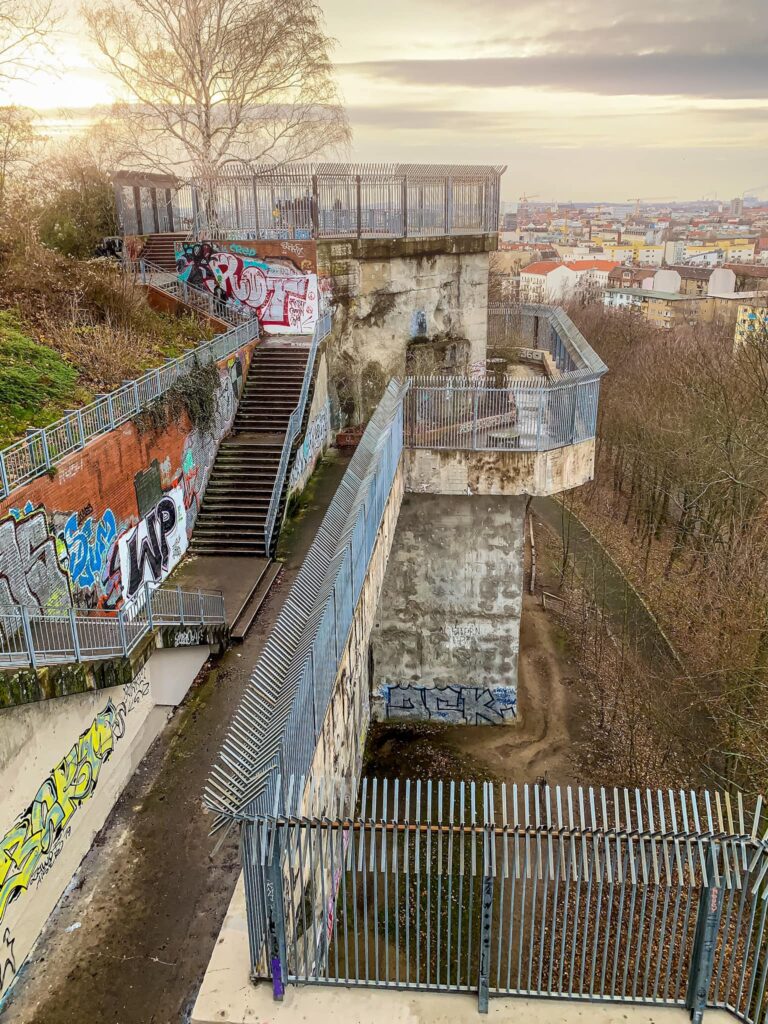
<point>197,298</point>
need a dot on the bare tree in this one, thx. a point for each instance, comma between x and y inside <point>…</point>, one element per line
<point>209,82</point>
<point>23,27</point>
<point>17,140</point>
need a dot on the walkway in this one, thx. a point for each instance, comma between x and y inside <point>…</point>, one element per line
<point>131,939</point>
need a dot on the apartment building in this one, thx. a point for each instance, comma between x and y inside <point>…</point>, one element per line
<point>635,251</point>
<point>751,321</point>
<point>660,308</point>
<point>552,281</point>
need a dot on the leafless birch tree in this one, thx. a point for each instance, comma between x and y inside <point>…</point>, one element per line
<point>210,82</point>
<point>23,30</point>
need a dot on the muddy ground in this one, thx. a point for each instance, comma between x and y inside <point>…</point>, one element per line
<point>130,940</point>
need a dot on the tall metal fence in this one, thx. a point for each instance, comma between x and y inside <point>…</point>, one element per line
<point>496,412</point>
<point>626,896</point>
<point>37,637</point>
<point>317,201</point>
<point>492,414</point>
<point>322,330</point>
<point>280,717</point>
<point>42,449</point>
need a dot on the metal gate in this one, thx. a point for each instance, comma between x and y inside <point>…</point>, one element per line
<point>619,895</point>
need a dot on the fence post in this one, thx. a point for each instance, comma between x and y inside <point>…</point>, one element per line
<point>474,421</point>
<point>80,428</point>
<point>181,605</point>
<point>46,453</point>
<point>315,208</point>
<point>4,475</point>
<point>27,629</point>
<point>705,940</point>
<point>277,949</point>
<point>202,606</point>
<point>148,603</point>
<point>539,418</point>
<point>486,921</point>
<point>75,635</point>
<point>121,628</point>
<point>358,200</point>
<point>404,200</point>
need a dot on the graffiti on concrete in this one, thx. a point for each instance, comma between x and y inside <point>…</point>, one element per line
<point>458,705</point>
<point>69,785</point>
<point>314,440</point>
<point>88,545</point>
<point>189,638</point>
<point>279,290</point>
<point>7,960</point>
<point>150,550</point>
<point>30,847</point>
<point>30,562</point>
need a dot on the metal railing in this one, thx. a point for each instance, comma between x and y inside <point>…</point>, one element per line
<point>495,412</point>
<point>512,415</point>
<point>626,896</point>
<point>40,450</point>
<point>197,298</point>
<point>34,637</point>
<point>303,201</point>
<point>280,716</point>
<point>322,330</point>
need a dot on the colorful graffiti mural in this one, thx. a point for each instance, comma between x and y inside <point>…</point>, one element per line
<point>151,549</point>
<point>311,447</point>
<point>30,847</point>
<point>53,558</point>
<point>280,289</point>
<point>30,569</point>
<point>458,705</point>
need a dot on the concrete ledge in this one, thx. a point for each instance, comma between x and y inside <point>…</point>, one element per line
<point>228,997</point>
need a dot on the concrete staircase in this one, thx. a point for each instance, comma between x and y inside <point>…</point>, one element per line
<point>160,250</point>
<point>234,512</point>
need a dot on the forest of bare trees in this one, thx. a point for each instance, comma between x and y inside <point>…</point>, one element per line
<point>680,500</point>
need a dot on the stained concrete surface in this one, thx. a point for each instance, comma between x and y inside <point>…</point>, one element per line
<point>132,936</point>
<point>446,638</point>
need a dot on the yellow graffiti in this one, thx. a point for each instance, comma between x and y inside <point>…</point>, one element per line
<point>37,830</point>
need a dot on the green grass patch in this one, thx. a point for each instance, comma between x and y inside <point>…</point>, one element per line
<point>36,382</point>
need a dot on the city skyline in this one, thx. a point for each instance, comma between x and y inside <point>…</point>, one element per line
<point>657,104</point>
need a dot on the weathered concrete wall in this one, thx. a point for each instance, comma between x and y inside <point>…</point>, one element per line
<point>63,764</point>
<point>423,297</point>
<point>318,434</point>
<point>432,471</point>
<point>446,639</point>
<point>340,746</point>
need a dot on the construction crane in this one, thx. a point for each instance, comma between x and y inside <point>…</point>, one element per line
<point>637,200</point>
<point>524,198</point>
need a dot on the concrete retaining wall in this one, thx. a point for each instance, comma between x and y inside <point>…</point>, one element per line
<point>63,764</point>
<point>433,471</point>
<point>447,634</point>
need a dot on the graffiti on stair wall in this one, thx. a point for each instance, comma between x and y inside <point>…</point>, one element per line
<point>54,556</point>
<point>277,281</point>
<point>31,846</point>
<point>315,440</point>
<point>455,705</point>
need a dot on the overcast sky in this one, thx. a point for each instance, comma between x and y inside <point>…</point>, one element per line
<point>579,99</point>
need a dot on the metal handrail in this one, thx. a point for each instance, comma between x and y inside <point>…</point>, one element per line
<point>322,329</point>
<point>36,637</point>
<point>44,448</point>
<point>191,295</point>
<point>580,356</point>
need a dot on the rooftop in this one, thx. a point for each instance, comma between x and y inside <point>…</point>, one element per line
<point>650,293</point>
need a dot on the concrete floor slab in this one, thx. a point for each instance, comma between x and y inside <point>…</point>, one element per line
<point>233,575</point>
<point>228,997</point>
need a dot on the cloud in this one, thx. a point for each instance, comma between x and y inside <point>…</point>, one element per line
<point>726,75</point>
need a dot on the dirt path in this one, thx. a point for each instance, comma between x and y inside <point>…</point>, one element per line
<point>130,941</point>
<point>538,746</point>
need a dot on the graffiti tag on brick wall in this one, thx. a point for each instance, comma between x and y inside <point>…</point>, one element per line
<point>281,290</point>
<point>458,705</point>
<point>150,550</point>
<point>88,544</point>
<point>30,847</point>
<point>30,569</point>
<point>311,447</point>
